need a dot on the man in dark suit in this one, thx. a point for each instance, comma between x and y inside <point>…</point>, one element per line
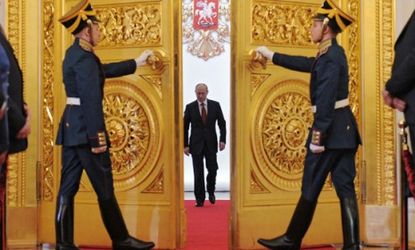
<point>18,124</point>
<point>82,131</point>
<point>4,83</point>
<point>203,115</point>
<point>4,134</point>
<point>399,91</point>
<point>333,139</point>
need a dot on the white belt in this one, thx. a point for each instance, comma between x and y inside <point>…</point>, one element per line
<point>73,101</point>
<point>339,104</point>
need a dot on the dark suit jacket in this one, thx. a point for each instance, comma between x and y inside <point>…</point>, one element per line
<point>16,114</point>
<point>84,78</point>
<point>329,83</point>
<point>201,134</point>
<point>402,82</point>
<point>4,82</point>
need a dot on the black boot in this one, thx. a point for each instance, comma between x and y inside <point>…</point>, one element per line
<point>116,228</point>
<point>64,224</point>
<point>350,223</point>
<point>300,221</point>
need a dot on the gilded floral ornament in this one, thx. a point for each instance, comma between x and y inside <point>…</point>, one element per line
<point>206,27</point>
<point>280,131</point>
<point>133,128</point>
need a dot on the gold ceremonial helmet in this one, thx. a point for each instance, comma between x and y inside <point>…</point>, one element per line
<point>335,18</point>
<point>78,17</point>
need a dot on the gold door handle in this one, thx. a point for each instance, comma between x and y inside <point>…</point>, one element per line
<point>257,60</point>
<point>156,61</point>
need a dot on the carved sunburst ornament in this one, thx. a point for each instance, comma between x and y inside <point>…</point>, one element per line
<point>129,132</point>
<point>284,131</point>
<point>206,27</point>
<point>280,131</point>
<point>133,127</point>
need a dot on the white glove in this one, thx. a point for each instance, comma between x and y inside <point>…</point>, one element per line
<point>142,59</point>
<point>316,149</point>
<point>265,52</point>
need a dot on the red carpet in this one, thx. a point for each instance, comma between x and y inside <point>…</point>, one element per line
<point>207,226</point>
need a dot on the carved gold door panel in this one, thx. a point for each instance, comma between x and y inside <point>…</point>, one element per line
<point>271,117</point>
<point>142,117</point>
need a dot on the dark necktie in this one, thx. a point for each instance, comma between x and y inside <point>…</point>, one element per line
<point>204,115</point>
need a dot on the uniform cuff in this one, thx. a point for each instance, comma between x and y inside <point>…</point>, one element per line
<point>99,140</point>
<point>317,137</point>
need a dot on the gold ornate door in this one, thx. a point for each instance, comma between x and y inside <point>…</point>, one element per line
<point>142,114</point>
<point>271,116</point>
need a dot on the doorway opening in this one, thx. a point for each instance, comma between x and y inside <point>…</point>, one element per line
<point>206,58</point>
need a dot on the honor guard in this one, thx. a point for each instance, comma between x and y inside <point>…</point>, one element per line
<point>82,130</point>
<point>333,139</point>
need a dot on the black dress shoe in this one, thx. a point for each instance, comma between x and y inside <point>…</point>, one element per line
<point>132,243</point>
<point>212,199</point>
<point>280,243</point>
<point>199,204</point>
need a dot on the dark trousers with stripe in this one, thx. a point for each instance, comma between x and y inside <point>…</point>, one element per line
<point>97,167</point>
<point>339,163</point>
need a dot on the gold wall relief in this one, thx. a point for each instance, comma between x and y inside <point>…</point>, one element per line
<point>48,110</point>
<point>156,82</point>
<point>279,131</point>
<point>257,80</point>
<point>256,187</point>
<point>157,186</point>
<point>282,23</point>
<point>130,25</point>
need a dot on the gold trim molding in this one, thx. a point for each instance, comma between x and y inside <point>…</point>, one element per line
<point>15,180</point>
<point>353,56</point>
<point>47,109</point>
<point>385,143</point>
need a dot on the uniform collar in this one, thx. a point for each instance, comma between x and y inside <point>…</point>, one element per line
<point>85,45</point>
<point>323,46</point>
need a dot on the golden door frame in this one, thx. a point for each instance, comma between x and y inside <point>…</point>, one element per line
<point>379,206</point>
